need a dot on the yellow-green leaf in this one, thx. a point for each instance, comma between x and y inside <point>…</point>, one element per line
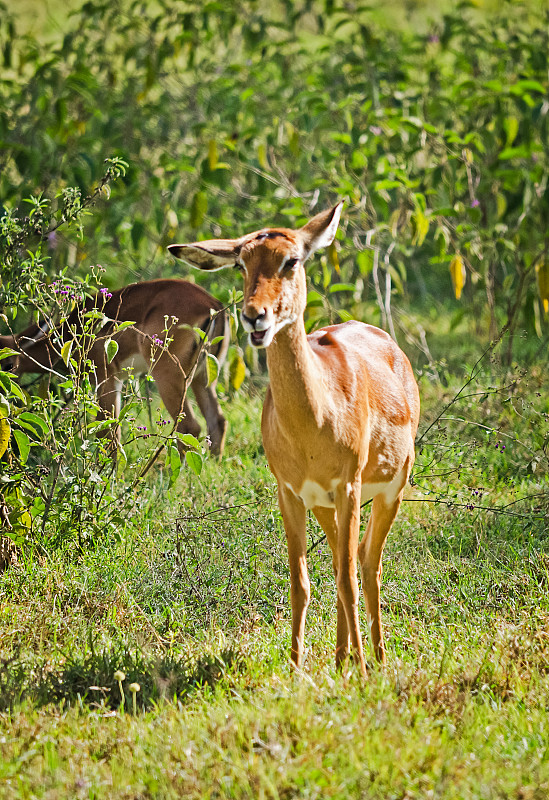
<point>237,371</point>
<point>262,156</point>
<point>212,154</point>
<point>421,227</point>
<point>458,274</point>
<point>542,271</point>
<point>5,432</point>
<point>66,352</point>
<point>332,255</point>
<point>212,368</point>
<point>511,127</point>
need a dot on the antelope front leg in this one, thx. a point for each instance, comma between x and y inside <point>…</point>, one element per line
<point>295,522</point>
<point>327,520</point>
<point>370,552</point>
<point>348,524</point>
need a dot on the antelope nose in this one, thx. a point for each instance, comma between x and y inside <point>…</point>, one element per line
<point>252,321</point>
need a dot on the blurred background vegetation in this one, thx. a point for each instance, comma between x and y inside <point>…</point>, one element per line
<point>126,126</point>
<point>430,120</point>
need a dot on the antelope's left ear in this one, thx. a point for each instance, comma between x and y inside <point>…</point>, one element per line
<point>320,230</point>
<point>209,255</point>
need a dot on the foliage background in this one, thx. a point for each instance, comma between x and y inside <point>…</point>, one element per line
<point>431,121</point>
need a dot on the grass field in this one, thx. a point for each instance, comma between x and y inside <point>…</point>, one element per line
<point>192,603</point>
<point>184,591</point>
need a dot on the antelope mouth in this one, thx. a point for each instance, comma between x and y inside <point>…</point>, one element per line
<point>257,338</point>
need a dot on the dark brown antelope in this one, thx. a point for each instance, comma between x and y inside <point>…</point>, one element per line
<point>150,305</point>
<point>339,419</point>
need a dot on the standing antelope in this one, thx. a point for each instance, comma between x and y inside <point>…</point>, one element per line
<point>338,424</point>
<point>140,346</point>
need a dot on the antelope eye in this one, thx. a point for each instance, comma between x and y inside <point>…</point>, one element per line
<point>291,263</point>
<point>239,266</point>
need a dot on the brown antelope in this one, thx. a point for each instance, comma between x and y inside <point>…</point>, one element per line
<point>338,424</point>
<point>151,306</point>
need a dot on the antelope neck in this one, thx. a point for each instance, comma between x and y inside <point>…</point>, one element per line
<point>293,374</point>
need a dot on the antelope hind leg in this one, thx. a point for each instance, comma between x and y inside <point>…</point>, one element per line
<point>370,553</point>
<point>327,520</point>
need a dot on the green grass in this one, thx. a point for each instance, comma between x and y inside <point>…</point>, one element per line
<point>192,603</point>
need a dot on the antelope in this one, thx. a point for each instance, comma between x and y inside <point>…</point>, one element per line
<point>150,305</point>
<point>338,424</point>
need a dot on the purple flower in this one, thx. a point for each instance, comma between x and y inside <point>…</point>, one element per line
<point>475,203</point>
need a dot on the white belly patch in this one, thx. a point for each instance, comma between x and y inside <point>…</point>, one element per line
<point>313,494</point>
<point>390,489</point>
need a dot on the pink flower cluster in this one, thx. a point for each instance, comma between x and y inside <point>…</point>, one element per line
<point>66,292</point>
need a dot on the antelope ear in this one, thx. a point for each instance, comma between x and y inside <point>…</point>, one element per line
<point>320,230</point>
<point>209,255</point>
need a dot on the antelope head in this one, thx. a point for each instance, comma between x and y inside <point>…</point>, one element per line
<point>272,263</point>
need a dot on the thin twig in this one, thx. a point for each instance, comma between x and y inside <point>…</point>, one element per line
<point>472,376</point>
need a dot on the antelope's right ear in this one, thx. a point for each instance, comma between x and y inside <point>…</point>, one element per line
<point>209,255</point>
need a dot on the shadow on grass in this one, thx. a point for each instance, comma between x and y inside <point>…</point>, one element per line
<point>89,678</point>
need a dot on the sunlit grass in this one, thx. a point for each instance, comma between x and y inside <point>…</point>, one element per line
<point>192,603</point>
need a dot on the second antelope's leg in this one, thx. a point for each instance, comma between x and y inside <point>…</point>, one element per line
<point>294,517</point>
<point>170,383</point>
<point>208,404</point>
<point>109,397</point>
<point>327,520</point>
<point>370,552</point>
<point>348,530</point>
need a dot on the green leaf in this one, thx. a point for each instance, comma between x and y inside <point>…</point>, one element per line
<point>314,299</point>
<point>33,419</point>
<point>199,207</point>
<point>521,87</point>
<point>188,439</point>
<point>174,461</point>
<point>111,349</point>
<point>514,152</point>
<point>137,232</point>
<point>6,383</point>
<point>194,460</point>
<point>342,287</point>
<point>122,325</point>
<point>7,351</point>
<point>121,462</point>
<point>365,261</point>
<point>24,445</point>
<point>126,409</point>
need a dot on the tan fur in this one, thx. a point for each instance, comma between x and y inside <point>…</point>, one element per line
<point>339,422</point>
<point>146,304</point>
